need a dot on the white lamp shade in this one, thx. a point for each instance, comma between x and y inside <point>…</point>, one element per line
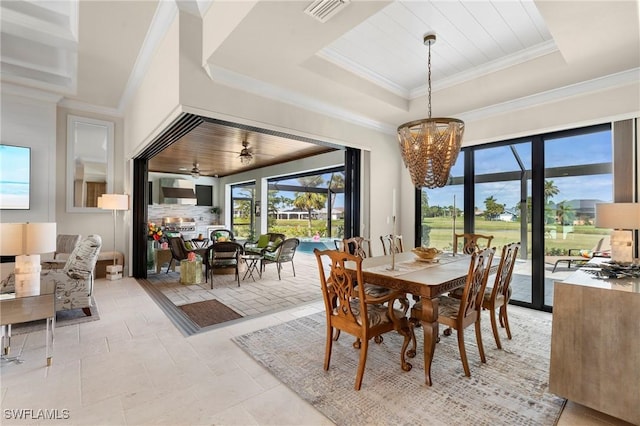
<point>618,215</point>
<point>114,202</point>
<point>27,238</point>
<point>40,238</point>
<point>11,239</point>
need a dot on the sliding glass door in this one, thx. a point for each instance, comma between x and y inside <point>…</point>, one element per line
<point>540,191</point>
<point>577,175</point>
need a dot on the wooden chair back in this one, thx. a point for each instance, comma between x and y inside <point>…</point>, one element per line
<point>357,246</point>
<point>498,297</point>
<point>471,302</point>
<point>389,243</point>
<point>471,242</point>
<point>348,308</point>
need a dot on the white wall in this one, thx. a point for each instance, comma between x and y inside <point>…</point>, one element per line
<point>28,119</point>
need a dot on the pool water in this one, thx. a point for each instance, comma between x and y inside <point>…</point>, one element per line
<point>308,244</point>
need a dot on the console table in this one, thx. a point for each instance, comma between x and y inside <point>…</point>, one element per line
<point>595,343</point>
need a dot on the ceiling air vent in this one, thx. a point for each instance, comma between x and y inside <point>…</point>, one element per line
<point>323,10</point>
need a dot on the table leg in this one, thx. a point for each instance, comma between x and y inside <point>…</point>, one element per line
<point>429,321</point>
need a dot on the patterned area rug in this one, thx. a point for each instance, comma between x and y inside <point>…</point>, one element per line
<point>511,388</point>
<point>209,312</point>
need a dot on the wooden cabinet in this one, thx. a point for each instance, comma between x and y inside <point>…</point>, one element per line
<point>595,344</point>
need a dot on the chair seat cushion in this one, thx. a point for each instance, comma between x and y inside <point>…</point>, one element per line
<point>375,290</point>
<point>224,262</point>
<point>447,306</point>
<point>376,314</point>
<point>457,293</point>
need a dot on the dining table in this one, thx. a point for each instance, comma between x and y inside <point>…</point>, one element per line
<point>427,279</point>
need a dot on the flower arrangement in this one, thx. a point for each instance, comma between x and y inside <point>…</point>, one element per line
<point>155,232</point>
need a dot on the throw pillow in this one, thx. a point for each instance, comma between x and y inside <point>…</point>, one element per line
<point>277,242</point>
<point>263,241</point>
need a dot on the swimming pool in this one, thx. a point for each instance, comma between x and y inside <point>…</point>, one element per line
<point>308,244</point>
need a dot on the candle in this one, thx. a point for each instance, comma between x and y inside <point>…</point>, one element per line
<point>394,203</point>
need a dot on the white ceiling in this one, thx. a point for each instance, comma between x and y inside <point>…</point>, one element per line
<point>367,63</point>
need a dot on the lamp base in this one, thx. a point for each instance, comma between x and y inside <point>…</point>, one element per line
<point>621,246</point>
<point>27,272</point>
<point>114,272</point>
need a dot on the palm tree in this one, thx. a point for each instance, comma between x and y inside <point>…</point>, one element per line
<point>549,190</point>
<point>565,213</point>
<point>309,201</point>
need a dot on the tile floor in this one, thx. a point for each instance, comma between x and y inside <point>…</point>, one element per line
<point>133,367</point>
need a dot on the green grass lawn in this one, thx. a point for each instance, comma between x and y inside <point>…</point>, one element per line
<point>558,239</point>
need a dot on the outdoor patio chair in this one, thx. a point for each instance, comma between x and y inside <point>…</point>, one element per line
<point>224,255</point>
<point>266,242</point>
<point>580,256</point>
<point>284,253</point>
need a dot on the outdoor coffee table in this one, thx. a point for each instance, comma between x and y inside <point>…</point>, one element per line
<point>254,264</point>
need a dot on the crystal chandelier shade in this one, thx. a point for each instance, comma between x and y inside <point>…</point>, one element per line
<point>430,146</point>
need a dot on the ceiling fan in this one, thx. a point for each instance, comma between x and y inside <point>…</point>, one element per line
<point>246,157</point>
<point>196,171</point>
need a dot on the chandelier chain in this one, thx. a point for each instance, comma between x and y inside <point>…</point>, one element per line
<point>429,81</point>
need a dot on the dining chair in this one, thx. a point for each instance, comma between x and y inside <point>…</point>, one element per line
<point>283,254</point>
<point>350,309</point>
<point>461,313</point>
<point>471,242</point>
<point>224,255</point>
<point>389,243</point>
<point>361,247</point>
<point>497,297</point>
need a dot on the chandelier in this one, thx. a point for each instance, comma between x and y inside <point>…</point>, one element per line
<point>430,146</point>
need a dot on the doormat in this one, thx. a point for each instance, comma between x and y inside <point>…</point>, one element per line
<point>209,312</point>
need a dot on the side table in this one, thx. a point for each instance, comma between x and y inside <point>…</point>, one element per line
<point>190,272</point>
<point>254,264</point>
<point>16,309</point>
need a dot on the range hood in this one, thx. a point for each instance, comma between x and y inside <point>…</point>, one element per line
<point>177,191</point>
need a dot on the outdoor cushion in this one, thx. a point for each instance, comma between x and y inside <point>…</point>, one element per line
<point>263,241</point>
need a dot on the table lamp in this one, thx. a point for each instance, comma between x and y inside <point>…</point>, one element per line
<point>622,218</point>
<point>114,202</point>
<point>27,241</point>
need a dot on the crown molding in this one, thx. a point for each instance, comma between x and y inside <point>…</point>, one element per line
<point>598,84</point>
<point>518,58</point>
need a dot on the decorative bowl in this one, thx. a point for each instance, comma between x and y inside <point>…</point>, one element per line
<point>426,253</point>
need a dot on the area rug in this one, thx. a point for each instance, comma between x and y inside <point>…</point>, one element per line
<point>511,388</point>
<point>209,312</point>
<point>63,319</point>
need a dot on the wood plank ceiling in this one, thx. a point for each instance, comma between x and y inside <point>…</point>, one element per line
<point>215,148</point>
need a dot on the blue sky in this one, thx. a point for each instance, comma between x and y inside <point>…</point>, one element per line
<point>14,164</point>
<point>568,151</point>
